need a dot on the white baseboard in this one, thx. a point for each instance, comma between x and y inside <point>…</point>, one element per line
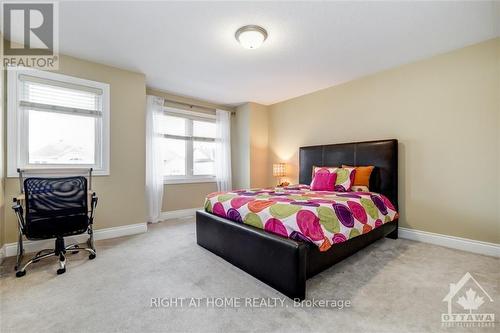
<point>179,214</point>
<point>10,249</point>
<point>464,244</point>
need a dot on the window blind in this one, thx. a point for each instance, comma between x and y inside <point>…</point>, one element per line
<point>189,135</point>
<point>49,95</point>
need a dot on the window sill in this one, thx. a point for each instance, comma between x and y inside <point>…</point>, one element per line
<point>170,181</point>
<point>51,172</point>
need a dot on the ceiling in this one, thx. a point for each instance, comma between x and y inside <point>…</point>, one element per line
<point>188,48</point>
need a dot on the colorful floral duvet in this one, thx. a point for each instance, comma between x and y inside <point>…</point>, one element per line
<point>323,218</point>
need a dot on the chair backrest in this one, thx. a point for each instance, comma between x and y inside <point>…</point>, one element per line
<point>26,173</point>
<point>55,197</point>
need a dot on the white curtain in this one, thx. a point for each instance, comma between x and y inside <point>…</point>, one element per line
<point>223,150</point>
<point>154,164</point>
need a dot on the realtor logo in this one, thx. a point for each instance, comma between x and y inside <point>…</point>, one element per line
<point>30,34</point>
<point>467,295</point>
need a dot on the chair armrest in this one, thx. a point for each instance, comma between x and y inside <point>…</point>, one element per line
<point>17,205</point>
<point>94,200</point>
<point>18,210</point>
<point>93,204</point>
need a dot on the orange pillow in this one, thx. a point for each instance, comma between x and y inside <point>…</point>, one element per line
<point>362,176</point>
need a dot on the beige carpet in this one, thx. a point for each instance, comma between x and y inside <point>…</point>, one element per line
<point>393,285</point>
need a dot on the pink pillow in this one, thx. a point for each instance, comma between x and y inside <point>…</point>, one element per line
<point>345,177</point>
<point>323,180</point>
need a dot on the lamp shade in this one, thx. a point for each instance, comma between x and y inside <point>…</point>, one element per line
<point>279,170</point>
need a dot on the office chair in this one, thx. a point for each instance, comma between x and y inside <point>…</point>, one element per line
<point>55,208</point>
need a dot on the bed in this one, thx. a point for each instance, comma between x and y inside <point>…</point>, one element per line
<point>285,263</point>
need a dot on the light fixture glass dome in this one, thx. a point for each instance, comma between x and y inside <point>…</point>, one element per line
<point>251,36</point>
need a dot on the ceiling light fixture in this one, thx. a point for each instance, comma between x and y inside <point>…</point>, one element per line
<point>251,36</point>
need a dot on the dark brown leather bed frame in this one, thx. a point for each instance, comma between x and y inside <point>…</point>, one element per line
<point>286,264</point>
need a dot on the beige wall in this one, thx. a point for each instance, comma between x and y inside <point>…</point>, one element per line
<point>2,159</point>
<point>185,196</point>
<point>122,193</point>
<point>240,147</point>
<point>497,8</point>
<point>445,113</point>
<point>192,195</point>
<point>259,141</point>
<point>250,140</point>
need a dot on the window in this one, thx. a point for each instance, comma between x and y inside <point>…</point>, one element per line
<point>57,121</point>
<point>188,146</point>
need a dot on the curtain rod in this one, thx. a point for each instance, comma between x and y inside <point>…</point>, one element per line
<point>193,105</point>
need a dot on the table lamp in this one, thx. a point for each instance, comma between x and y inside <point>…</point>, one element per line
<point>279,170</point>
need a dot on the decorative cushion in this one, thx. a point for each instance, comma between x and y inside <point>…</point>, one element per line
<point>323,180</point>
<point>363,173</point>
<point>345,177</point>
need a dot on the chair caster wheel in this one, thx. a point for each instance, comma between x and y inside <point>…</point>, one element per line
<point>75,252</point>
<point>61,271</point>
<point>92,256</point>
<point>20,273</point>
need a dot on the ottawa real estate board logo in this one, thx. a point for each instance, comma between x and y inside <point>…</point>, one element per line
<point>30,35</point>
<point>464,299</point>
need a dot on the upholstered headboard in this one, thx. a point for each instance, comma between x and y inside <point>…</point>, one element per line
<point>382,154</point>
